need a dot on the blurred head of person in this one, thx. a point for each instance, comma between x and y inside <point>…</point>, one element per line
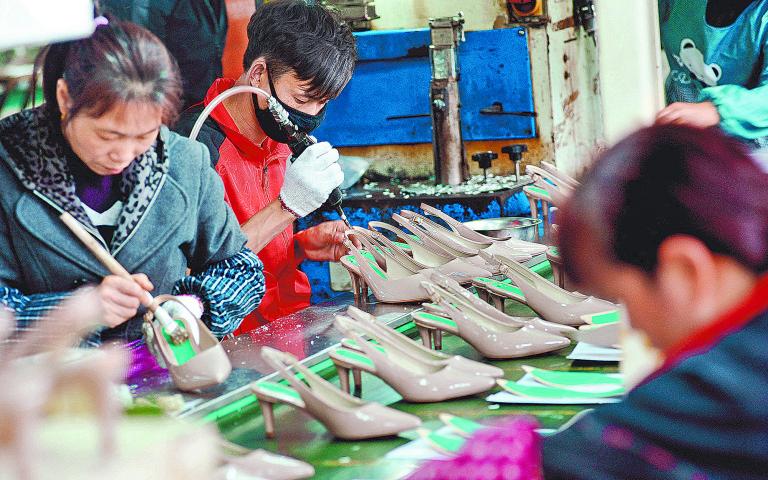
<point>673,222</point>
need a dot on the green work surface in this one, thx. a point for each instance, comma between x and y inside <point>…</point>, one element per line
<point>300,436</point>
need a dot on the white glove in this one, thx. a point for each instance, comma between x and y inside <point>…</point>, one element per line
<point>311,178</point>
<point>194,309</point>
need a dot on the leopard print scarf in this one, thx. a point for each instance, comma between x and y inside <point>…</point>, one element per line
<point>38,157</point>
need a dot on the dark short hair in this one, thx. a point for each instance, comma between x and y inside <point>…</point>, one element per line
<point>663,181</point>
<point>120,62</point>
<point>306,38</point>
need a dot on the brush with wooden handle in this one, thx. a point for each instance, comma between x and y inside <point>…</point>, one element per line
<point>178,335</point>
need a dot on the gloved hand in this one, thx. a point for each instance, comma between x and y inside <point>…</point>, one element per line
<point>311,178</point>
<point>175,310</point>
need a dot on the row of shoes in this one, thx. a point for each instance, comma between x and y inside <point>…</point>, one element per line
<point>417,373</point>
<point>491,332</point>
<point>395,270</point>
<point>599,321</point>
<point>550,185</point>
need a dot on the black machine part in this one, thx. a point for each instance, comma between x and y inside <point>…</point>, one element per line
<point>485,160</point>
<point>515,153</point>
<point>299,141</point>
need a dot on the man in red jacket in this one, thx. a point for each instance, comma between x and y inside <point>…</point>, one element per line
<point>303,55</point>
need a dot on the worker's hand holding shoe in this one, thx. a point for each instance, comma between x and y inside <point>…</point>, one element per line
<point>311,178</point>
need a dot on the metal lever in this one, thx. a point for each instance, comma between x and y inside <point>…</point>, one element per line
<point>497,108</point>
<point>484,161</point>
<point>515,153</point>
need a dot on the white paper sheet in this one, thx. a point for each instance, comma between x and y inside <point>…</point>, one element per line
<point>595,353</point>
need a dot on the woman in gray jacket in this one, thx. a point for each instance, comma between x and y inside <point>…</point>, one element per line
<point>99,149</point>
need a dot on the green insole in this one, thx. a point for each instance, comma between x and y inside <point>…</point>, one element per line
<point>354,357</point>
<point>554,392</point>
<point>537,190</point>
<point>501,285</point>
<point>182,352</point>
<point>436,318</point>
<point>279,391</point>
<point>353,344</point>
<point>604,318</point>
<point>371,262</point>
<point>574,379</point>
<point>466,427</point>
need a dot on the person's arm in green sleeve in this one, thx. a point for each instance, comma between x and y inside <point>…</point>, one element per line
<point>743,111</point>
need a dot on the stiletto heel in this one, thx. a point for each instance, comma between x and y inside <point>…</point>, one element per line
<point>534,206</point>
<point>357,375</point>
<point>344,366</point>
<point>498,302</point>
<point>268,414</point>
<point>343,374</point>
<point>553,255</point>
<point>345,416</point>
<point>425,334</point>
<point>359,287</point>
<point>437,339</point>
<point>482,294</point>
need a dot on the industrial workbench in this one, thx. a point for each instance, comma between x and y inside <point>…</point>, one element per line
<point>310,335</point>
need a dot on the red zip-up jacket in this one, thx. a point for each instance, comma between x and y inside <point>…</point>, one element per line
<point>253,175</point>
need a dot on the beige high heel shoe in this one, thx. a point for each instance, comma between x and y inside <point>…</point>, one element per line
<point>473,307</point>
<point>416,380</point>
<point>491,338</point>
<point>558,191</point>
<point>198,363</point>
<point>460,246</point>
<point>425,251</point>
<point>417,350</point>
<point>385,289</point>
<point>398,264</point>
<point>263,465</point>
<point>422,250</point>
<point>519,246</point>
<point>550,301</point>
<point>344,416</point>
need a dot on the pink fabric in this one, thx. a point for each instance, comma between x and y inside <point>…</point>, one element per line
<point>508,451</point>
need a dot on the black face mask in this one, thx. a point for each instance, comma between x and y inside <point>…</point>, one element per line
<point>304,122</point>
